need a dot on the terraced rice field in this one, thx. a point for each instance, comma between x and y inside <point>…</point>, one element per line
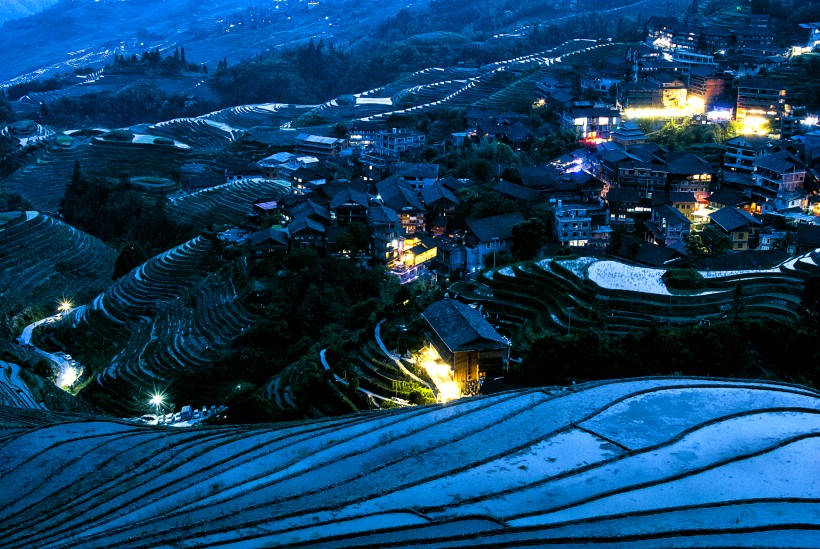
<point>661,462</point>
<point>44,261</point>
<point>13,391</point>
<point>227,203</point>
<point>549,295</point>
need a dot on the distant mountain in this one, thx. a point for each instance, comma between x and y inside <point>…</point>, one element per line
<point>88,32</point>
<point>15,9</point>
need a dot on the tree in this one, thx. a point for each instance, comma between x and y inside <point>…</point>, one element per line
<point>354,239</point>
<point>707,243</point>
<point>528,238</point>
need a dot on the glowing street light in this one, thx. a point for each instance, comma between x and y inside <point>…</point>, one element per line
<point>64,307</point>
<point>157,400</point>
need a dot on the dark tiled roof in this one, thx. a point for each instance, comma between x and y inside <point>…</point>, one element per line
<point>304,223</point>
<point>380,214</point>
<point>673,197</point>
<point>397,195</point>
<point>497,226</point>
<point>517,192</point>
<point>761,84</point>
<point>436,192</point>
<point>749,141</point>
<point>462,328</point>
<point>453,184</point>
<point>348,196</point>
<point>672,215</point>
<point>689,164</point>
<point>539,177</point>
<point>309,208</point>
<point>731,219</point>
<point>646,253</point>
<point>738,179</point>
<point>623,195</point>
<point>276,236</point>
<point>779,162</point>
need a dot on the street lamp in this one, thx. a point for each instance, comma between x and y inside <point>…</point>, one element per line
<point>569,323</point>
<point>495,246</point>
<point>64,307</point>
<point>157,400</point>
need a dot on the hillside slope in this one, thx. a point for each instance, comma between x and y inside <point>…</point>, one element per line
<point>659,462</point>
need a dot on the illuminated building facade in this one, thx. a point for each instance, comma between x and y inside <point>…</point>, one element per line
<point>760,97</point>
<point>467,342</point>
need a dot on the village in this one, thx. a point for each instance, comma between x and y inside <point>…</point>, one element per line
<point>617,191</point>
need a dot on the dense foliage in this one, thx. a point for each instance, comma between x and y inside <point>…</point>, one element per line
<point>743,349</point>
<point>115,212</point>
<point>303,299</point>
<point>140,103</point>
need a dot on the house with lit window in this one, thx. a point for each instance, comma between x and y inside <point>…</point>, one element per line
<point>463,338</point>
<point>624,206</point>
<point>417,253</point>
<point>741,227</point>
<point>489,236</point>
<point>760,97</point>
<point>388,146</point>
<point>590,122</point>
<point>401,198</point>
<point>441,204</point>
<point>741,152</point>
<point>319,146</point>
<point>812,34</point>
<point>673,89</point>
<point>707,83</point>
<point>685,203</point>
<point>689,173</point>
<point>385,233</point>
<point>779,178</point>
<point>307,233</point>
<point>668,226</point>
<point>640,95</point>
<point>348,206</point>
<point>416,174</point>
<point>572,224</point>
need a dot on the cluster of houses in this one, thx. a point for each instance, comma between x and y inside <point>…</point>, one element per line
<point>692,69</point>
<point>761,193</point>
<point>756,195</point>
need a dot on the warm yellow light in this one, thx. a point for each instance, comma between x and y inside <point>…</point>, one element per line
<point>666,112</point>
<point>755,125</point>
<point>441,374</point>
<point>696,104</point>
<point>64,306</point>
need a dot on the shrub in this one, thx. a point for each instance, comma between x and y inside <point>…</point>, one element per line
<point>683,279</point>
<point>119,135</point>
